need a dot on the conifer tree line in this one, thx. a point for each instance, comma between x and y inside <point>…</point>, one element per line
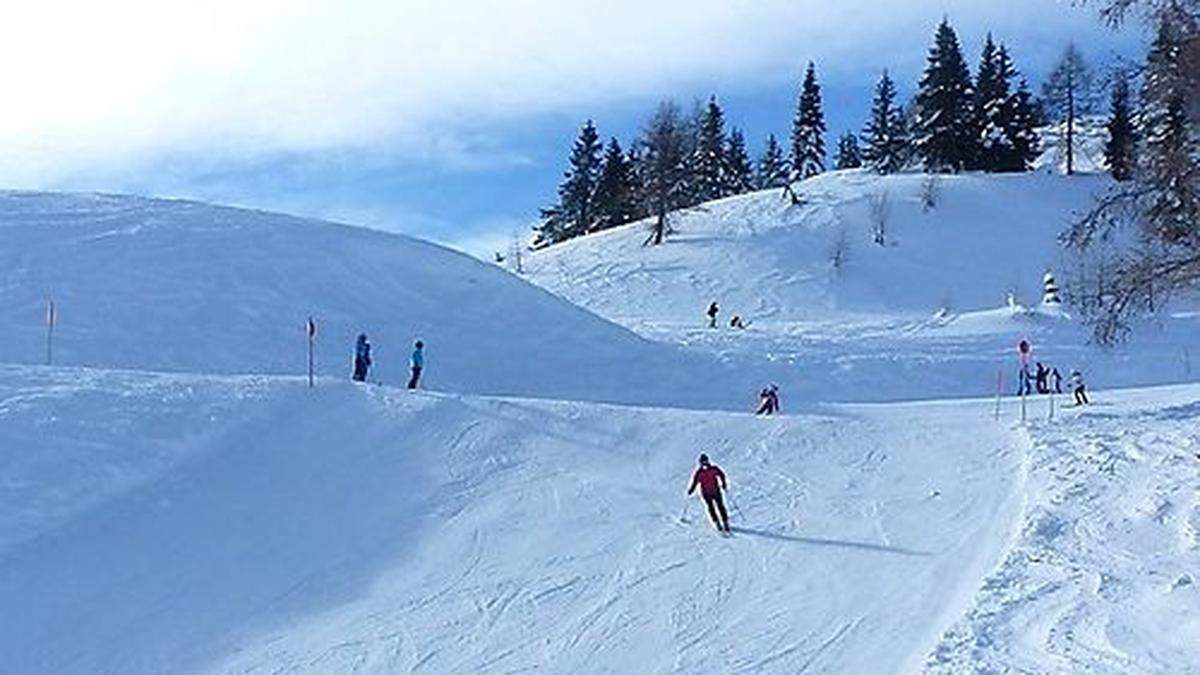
<point>1140,243</point>
<point>955,122</point>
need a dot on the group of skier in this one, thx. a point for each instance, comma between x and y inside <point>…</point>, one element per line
<point>362,361</point>
<point>714,310</point>
<point>1047,380</point>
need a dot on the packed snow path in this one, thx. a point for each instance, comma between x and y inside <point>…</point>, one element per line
<point>1104,573</point>
<point>186,523</point>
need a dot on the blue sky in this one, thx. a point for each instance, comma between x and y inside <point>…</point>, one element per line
<point>445,120</point>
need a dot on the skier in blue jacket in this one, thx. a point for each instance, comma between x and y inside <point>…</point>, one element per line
<point>418,363</point>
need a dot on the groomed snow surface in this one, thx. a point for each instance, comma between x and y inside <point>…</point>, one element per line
<point>526,511</point>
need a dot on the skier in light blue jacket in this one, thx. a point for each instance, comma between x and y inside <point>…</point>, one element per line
<point>418,363</point>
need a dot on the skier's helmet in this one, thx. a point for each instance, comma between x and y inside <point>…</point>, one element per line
<point>703,459</point>
<point>420,345</point>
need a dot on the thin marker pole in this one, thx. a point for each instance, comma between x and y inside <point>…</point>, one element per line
<point>50,320</point>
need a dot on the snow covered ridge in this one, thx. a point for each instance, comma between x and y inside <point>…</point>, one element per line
<point>169,285</point>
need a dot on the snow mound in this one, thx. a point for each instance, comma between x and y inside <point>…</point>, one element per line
<point>182,286</point>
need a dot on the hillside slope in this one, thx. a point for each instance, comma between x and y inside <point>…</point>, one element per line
<point>244,524</point>
<point>182,286</point>
<point>238,524</point>
<point>923,315</point>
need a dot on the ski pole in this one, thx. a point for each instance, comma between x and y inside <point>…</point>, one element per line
<point>733,503</point>
<point>683,512</point>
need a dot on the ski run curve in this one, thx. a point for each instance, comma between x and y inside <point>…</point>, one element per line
<point>249,524</point>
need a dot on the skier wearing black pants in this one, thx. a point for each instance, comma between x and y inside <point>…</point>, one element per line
<point>362,358</point>
<point>711,480</point>
<point>418,364</point>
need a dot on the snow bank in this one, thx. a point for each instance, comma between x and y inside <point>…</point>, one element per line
<point>181,286</point>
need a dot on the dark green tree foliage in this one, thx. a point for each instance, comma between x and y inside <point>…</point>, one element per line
<point>666,142</point>
<point>1004,118</point>
<point>739,174</point>
<point>885,136</point>
<point>708,165</point>
<point>1022,127</point>
<point>1122,137</point>
<point>634,160</point>
<point>615,202</point>
<point>808,129</point>
<point>1068,94</point>
<point>574,214</point>
<point>943,129</point>
<point>1170,115</point>
<point>990,108</point>
<point>848,155</point>
<point>772,170</point>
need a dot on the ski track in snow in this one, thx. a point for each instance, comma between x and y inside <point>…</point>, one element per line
<point>385,531</point>
<point>1101,576</point>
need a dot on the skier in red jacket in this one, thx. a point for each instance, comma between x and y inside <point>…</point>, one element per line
<point>711,480</point>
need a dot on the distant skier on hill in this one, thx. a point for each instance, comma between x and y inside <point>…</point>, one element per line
<point>1080,390</point>
<point>736,322</point>
<point>769,400</point>
<point>418,364</point>
<point>711,481</point>
<point>362,358</point>
<point>1057,377</point>
<point>712,314</point>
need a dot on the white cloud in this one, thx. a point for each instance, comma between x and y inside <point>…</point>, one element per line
<point>92,83</point>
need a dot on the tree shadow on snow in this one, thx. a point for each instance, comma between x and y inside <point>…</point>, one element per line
<point>816,541</point>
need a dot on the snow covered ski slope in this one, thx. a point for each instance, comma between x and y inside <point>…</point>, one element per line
<point>155,284</point>
<point>923,316</point>
<point>248,524</point>
<point>528,513</point>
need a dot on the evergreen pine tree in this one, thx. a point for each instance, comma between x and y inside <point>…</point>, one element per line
<point>574,214</point>
<point>772,170</point>
<point>808,129</point>
<point>739,174</point>
<point>1068,93</point>
<point>614,203</point>
<point>1119,149</point>
<point>708,162</point>
<point>943,126</point>
<point>1021,124</point>
<point>848,155</point>
<point>637,183</point>
<point>885,137</point>
<point>990,108</point>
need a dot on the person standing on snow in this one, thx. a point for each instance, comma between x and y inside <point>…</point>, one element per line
<point>711,480</point>
<point>418,363</point>
<point>770,400</point>
<point>362,358</point>
<point>712,314</point>
<point>1057,378</point>
<point>1043,376</point>
<point>1080,390</point>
